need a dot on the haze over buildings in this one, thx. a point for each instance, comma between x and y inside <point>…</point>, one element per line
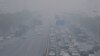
<point>51,6</point>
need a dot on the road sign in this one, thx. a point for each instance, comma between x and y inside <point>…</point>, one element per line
<point>60,22</point>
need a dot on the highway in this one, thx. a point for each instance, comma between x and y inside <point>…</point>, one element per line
<point>66,43</point>
<point>44,41</point>
<point>33,43</point>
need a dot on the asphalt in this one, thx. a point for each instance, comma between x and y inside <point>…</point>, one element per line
<point>30,44</point>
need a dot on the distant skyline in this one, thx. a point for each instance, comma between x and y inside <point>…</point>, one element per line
<point>54,6</point>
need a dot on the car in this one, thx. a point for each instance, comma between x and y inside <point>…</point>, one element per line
<point>52,34</point>
<point>75,54</point>
<point>84,53</point>
<point>63,53</point>
<point>52,52</point>
<point>52,38</point>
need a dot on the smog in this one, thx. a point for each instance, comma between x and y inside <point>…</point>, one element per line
<point>49,28</point>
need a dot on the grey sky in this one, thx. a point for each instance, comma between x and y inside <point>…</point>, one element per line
<point>54,6</point>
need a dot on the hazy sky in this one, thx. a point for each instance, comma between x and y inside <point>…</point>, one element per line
<point>51,6</point>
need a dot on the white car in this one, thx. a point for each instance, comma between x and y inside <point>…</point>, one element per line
<point>63,53</point>
<point>75,54</point>
<point>91,55</point>
<point>51,53</point>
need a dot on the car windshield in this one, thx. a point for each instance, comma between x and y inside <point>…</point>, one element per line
<point>49,28</point>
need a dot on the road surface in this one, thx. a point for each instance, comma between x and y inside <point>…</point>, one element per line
<point>30,44</point>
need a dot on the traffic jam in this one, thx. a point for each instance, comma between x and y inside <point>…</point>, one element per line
<point>64,42</point>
